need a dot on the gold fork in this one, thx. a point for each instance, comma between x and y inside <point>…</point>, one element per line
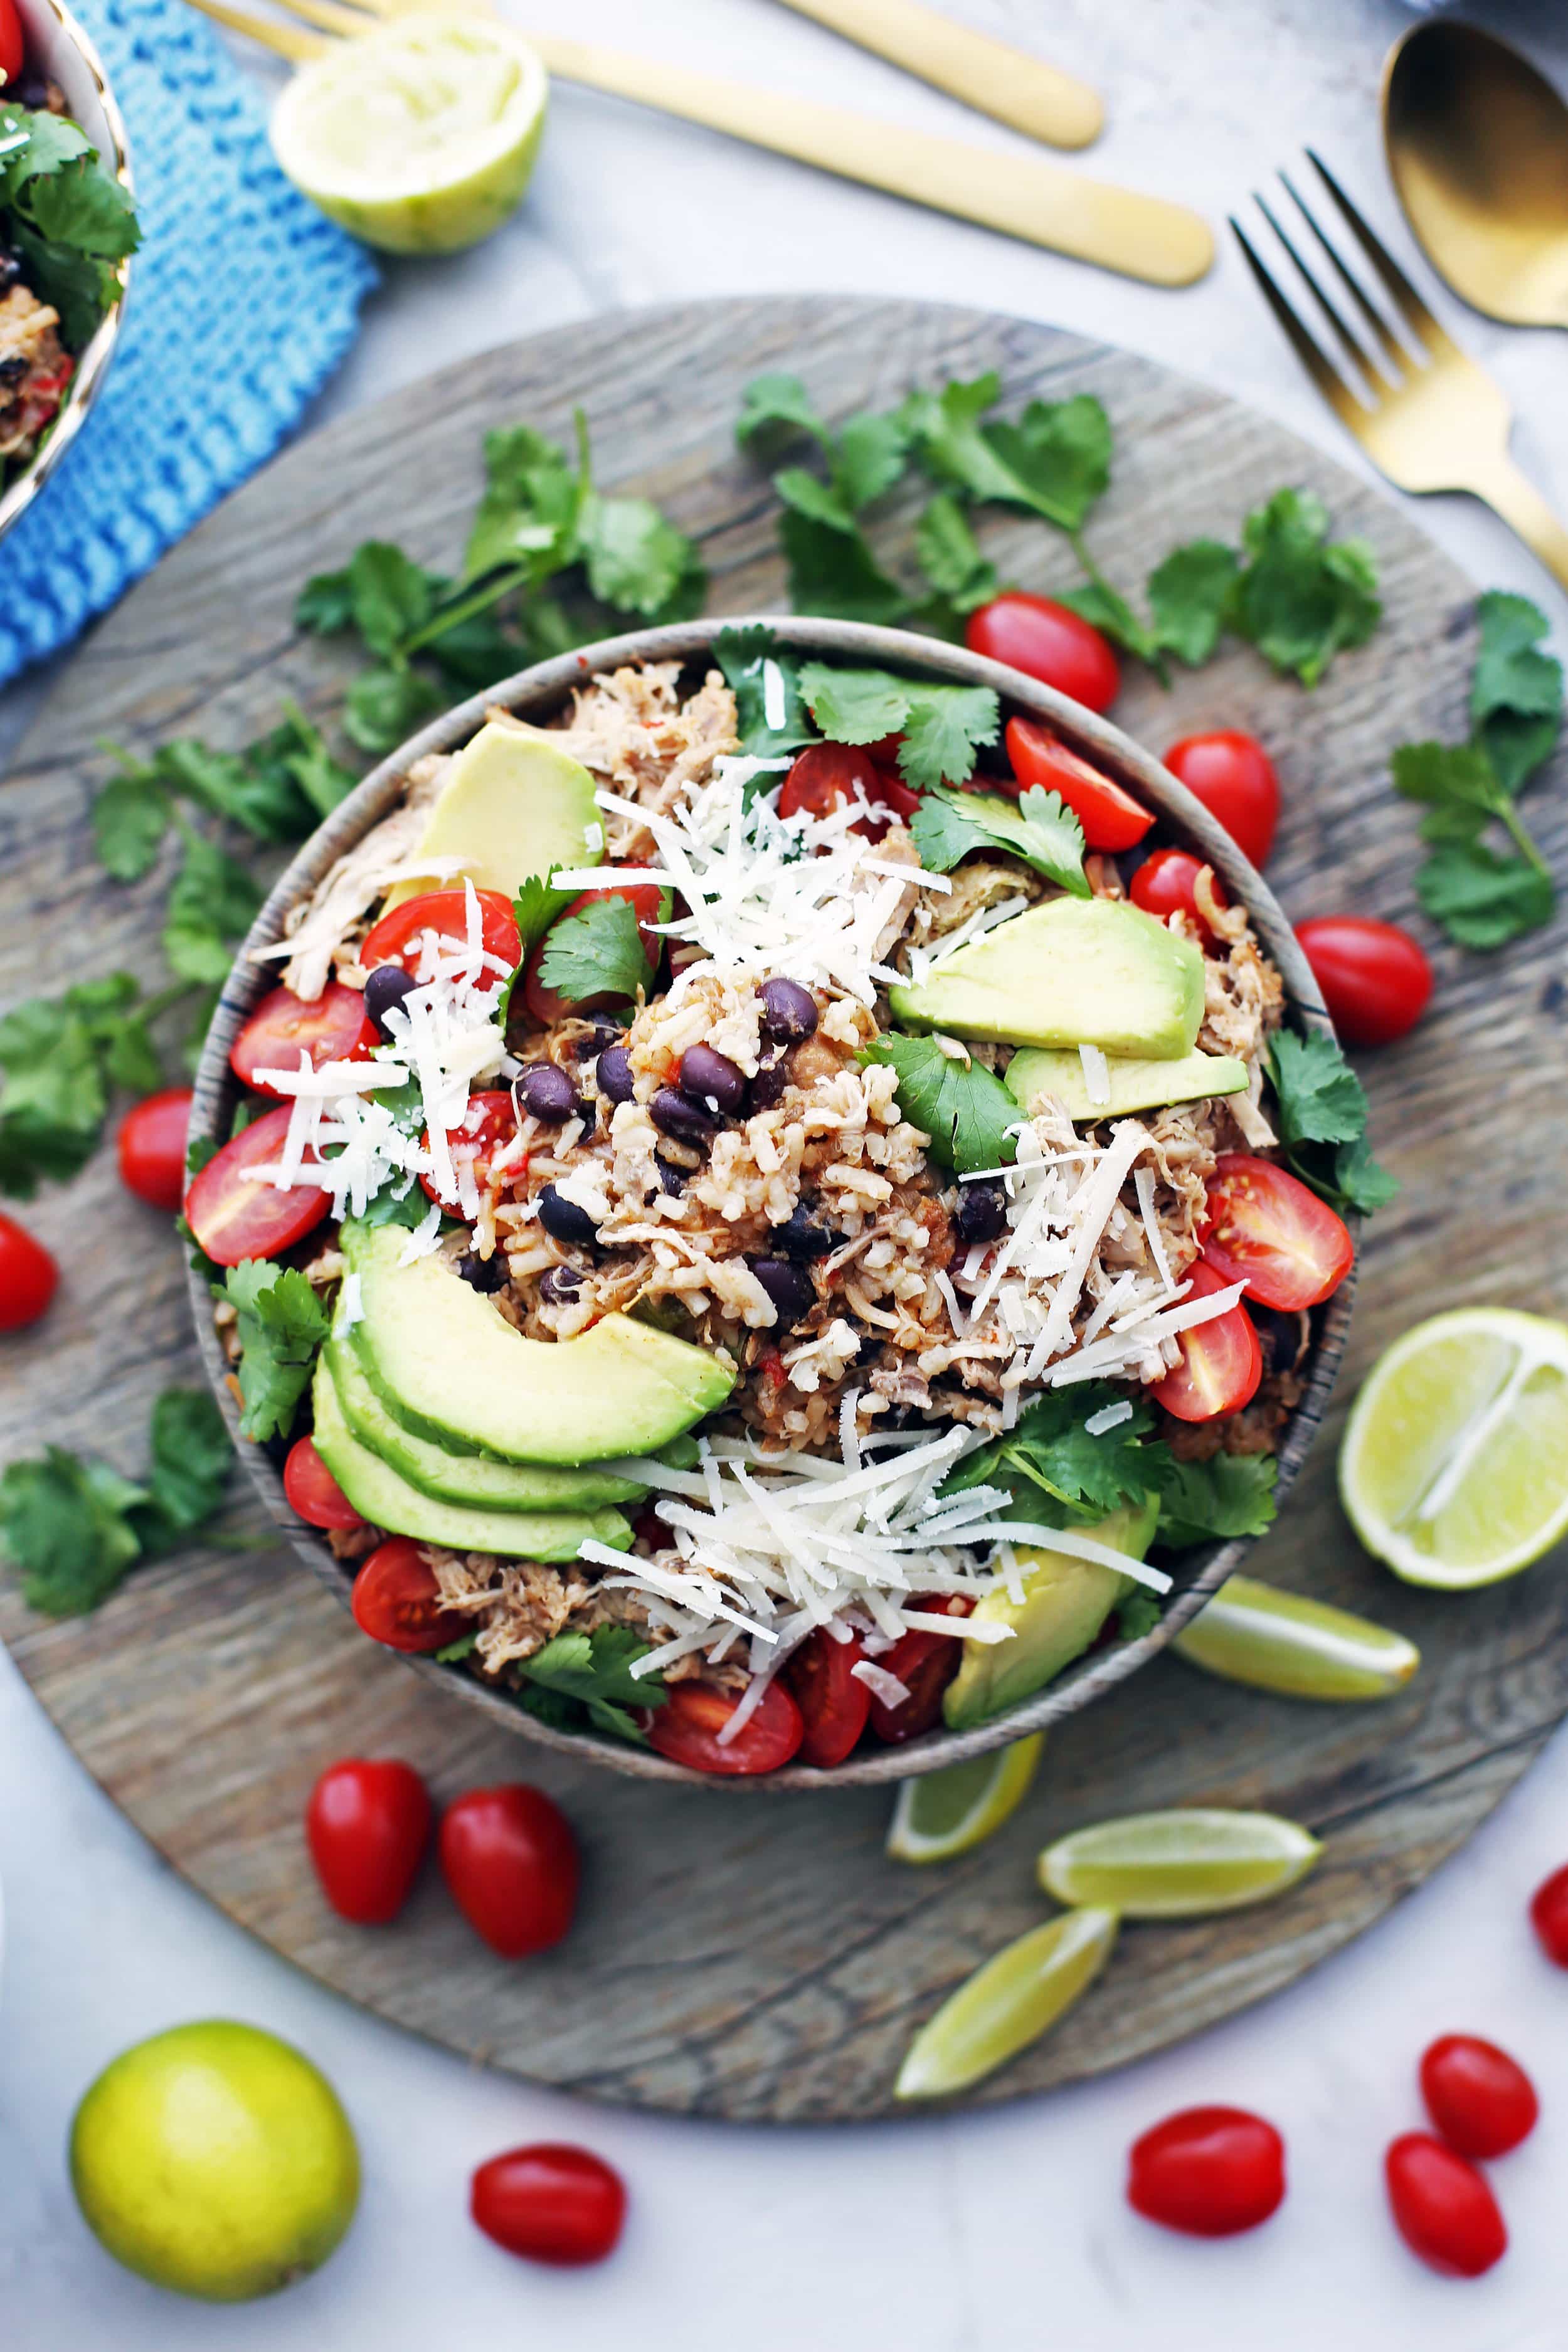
<point>1022,196</point>
<point>1432,420</point>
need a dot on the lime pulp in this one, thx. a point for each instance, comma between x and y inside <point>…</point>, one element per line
<point>1179,1864</point>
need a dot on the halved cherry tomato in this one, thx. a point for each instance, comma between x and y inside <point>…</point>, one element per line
<point>1047,641</point>
<point>152,1148</point>
<point>367,1825</point>
<point>825,777</point>
<point>489,1122</point>
<point>396,1600</point>
<point>1443,2208</point>
<point>551,2204</point>
<point>925,1664</point>
<point>1480,2099</point>
<point>12,53</point>
<point>1375,977</point>
<point>833,1705</point>
<point>511,1860</point>
<point>237,1215</point>
<point>1234,777</point>
<point>397,937</point>
<point>334,1027</point>
<point>1221,1364</point>
<point>1263,1227</point>
<point>312,1491</point>
<point>1548,1908</point>
<point>1111,818</point>
<point>1209,2171</point>
<point>686,1730</point>
<point>27,1276</point>
<point>1166,884</point>
<point>547,1004</point>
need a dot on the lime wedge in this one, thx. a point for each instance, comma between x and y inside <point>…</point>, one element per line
<point>947,1812</point>
<point>1303,1649</point>
<point>420,136</point>
<point>1007,2004</point>
<point>1454,1467</point>
<point>1178,1865</point>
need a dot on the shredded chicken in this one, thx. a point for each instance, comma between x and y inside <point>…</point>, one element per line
<point>316,932</point>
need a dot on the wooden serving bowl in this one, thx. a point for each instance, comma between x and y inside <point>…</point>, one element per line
<point>537,694</point>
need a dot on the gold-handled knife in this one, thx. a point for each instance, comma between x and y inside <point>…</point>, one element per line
<point>989,75</point>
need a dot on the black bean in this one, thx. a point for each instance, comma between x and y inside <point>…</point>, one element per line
<point>802,1238</point>
<point>768,1086</point>
<point>564,1222</point>
<point>789,1011</point>
<point>387,986</point>
<point>671,1179</point>
<point>980,1215</point>
<point>614,1073</point>
<point>678,1115</point>
<point>485,1274</point>
<point>790,1288</point>
<point>559,1287</point>
<point>713,1079</point>
<point>548,1093</point>
<point>605,1033</point>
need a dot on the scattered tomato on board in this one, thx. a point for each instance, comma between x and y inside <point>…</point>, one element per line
<point>1222,1363</point>
<point>367,1825</point>
<point>1112,819</point>
<point>1262,1226</point>
<point>511,1860</point>
<point>313,1492</point>
<point>152,1148</point>
<point>1167,884</point>
<point>687,1729</point>
<point>397,1601</point>
<point>1211,2172</point>
<point>550,2202</point>
<point>1479,2098</point>
<point>1549,1915</point>
<point>28,1276</point>
<point>1234,777</point>
<point>1442,2208</point>
<point>1047,641</point>
<point>1375,978</point>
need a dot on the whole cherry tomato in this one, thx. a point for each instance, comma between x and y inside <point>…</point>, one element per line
<point>488,1123</point>
<point>1548,1914</point>
<point>314,1492</point>
<point>834,1704</point>
<point>397,1601</point>
<point>826,777</point>
<point>1210,2171</point>
<point>367,1825</point>
<point>1221,1364</point>
<point>1112,819</point>
<point>1047,641</point>
<point>1166,884</point>
<point>1234,777</point>
<point>1480,2099</point>
<point>1375,977</point>
<point>686,1730</point>
<point>399,937</point>
<point>331,1027</point>
<point>236,1214</point>
<point>1443,2208</point>
<point>27,1276</point>
<point>12,51</point>
<point>511,1860</point>
<point>925,1664</point>
<point>1263,1227</point>
<point>152,1148</point>
<point>551,2204</point>
<point>547,1004</point>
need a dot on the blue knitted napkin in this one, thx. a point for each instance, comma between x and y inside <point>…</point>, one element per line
<point>243,298</point>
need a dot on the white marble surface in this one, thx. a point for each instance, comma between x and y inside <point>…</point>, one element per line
<point>985,2234</point>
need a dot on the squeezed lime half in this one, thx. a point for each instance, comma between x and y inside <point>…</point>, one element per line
<point>1007,2004</point>
<point>1284,1642</point>
<point>947,1812</point>
<point>1180,1864</point>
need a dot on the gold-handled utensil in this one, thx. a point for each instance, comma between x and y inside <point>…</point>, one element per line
<point>991,76</point>
<point>1044,204</point>
<point>1478,147</point>
<point>1423,410</point>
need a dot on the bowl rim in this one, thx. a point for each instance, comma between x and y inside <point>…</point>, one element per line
<point>92,363</point>
<point>538,691</point>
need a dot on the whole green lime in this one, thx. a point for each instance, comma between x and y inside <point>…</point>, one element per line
<point>216,2160</point>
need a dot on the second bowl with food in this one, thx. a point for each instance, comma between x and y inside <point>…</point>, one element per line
<point>745,1220</point>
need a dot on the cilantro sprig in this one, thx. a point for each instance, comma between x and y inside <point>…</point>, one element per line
<point>69,221</point>
<point>62,1057</point>
<point>281,1324</point>
<point>962,1107</point>
<point>1039,827</point>
<point>599,953</point>
<point>943,726</point>
<point>580,1677</point>
<point>1323,1112</point>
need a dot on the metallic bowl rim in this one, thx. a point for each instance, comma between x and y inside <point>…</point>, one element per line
<point>541,690</point>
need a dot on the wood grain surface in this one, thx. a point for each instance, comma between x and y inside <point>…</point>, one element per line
<point>766,1962</point>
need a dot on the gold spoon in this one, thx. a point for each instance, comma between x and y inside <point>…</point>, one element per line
<point>1478,147</point>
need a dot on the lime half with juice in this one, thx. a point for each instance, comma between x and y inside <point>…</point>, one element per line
<point>1453,1465</point>
<point>944,1813</point>
<point>419,137</point>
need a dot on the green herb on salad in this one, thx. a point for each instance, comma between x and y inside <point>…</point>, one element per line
<point>1229,1495</point>
<point>68,219</point>
<point>1050,1453</point>
<point>281,1324</point>
<point>771,715</point>
<point>591,1673</point>
<point>959,1102</point>
<point>1137,1615</point>
<point>598,951</point>
<point>943,726</point>
<point>1039,827</point>
<point>1322,1123</point>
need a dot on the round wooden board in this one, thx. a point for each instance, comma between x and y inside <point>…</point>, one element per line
<point>767,1962</point>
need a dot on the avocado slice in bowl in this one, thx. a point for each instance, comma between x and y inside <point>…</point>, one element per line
<point>1065,1602</point>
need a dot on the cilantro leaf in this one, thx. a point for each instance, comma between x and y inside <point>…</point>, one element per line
<point>69,219</point>
<point>854,705</point>
<point>949,554</point>
<point>451,1651</point>
<point>390,594</point>
<point>80,286</point>
<point>382,706</point>
<point>129,819</point>
<point>943,726</point>
<point>60,1054</point>
<point>85,207</point>
<point>1037,827</point>
<point>536,905</point>
<point>594,1670</point>
<point>1229,1495</point>
<point>1049,1451</point>
<point>1106,609</point>
<point>65,1524</point>
<point>1189,595</point>
<point>868,458</point>
<point>775,410</point>
<point>1456,782</point>
<point>387,1209</point>
<point>770,708</point>
<point>832,570</point>
<point>637,562</point>
<point>1359,1181</point>
<point>1516,693</point>
<point>962,1107</point>
<point>281,1324</point>
<point>598,951</point>
<point>529,514</point>
<point>1302,597</point>
<point>1059,455</point>
<point>1138,1614</point>
<point>1482,900</point>
<point>1321,1103</point>
<point>191,1457</point>
<point>211,906</point>
<point>325,605</point>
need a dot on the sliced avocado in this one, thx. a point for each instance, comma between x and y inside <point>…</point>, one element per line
<point>448,1365</point>
<point>1074,971</point>
<point>1065,1602</point>
<point>511,807</point>
<point>475,1480</point>
<point>378,1492</point>
<point>1134,1085</point>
